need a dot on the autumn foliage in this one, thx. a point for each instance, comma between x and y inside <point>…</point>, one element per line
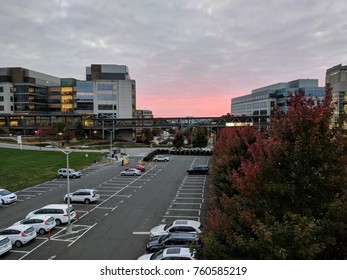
<point>282,196</point>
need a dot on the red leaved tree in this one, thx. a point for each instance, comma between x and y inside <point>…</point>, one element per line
<point>287,194</point>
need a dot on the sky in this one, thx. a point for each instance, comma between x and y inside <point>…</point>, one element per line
<point>188,57</point>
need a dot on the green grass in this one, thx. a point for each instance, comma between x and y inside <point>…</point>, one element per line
<point>20,169</point>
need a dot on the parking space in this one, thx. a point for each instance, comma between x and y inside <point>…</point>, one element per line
<point>190,196</point>
<point>186,201</point>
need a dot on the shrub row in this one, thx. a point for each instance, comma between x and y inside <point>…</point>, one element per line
<point>150,156</point>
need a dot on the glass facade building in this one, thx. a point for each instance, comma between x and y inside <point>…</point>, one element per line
<point>263,100</point>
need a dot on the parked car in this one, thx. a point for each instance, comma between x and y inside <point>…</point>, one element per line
<point>7,197</point>
<point>170,254</point>
<point>137,166</point>
<point>177,226</point>
<point>198,170</point>
<point>131,172</point>
<point>83,195</point>
<point>58,211</point>
<point>5,245</point>
<point>63,172</point>
<point>161,158</point>
<point>41,223</point>
<point>175,239</point>
<point>19,234</point>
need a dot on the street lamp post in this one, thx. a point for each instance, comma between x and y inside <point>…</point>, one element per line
<point>111,138</point>
<point>68,228</point>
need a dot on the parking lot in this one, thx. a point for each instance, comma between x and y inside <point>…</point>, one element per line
<point>116,226</point>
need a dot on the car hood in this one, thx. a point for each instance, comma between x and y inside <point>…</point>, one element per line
<point>145,257</point>
<point>154,241</point>
<point>158,230</point>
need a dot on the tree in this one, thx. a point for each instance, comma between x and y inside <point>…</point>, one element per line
<point>79,130</point>
<point>147,136</point>
<point>200,139</point>
<point>179,140</point>
<point>289,198</point>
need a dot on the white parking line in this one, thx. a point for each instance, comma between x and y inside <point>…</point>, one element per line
<point>141,232</point>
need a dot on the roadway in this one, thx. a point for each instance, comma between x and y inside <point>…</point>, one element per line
<point>118,225</point>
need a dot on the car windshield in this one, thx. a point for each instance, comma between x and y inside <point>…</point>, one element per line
<point>5,192</point>
<point>72,209</point>
<point>158,255</point>
<point>163,238</point>
<point>4,241</point>
<point>31,229</point>
<point>167,226</point>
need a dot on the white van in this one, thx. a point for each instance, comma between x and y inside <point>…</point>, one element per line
<point>58,211</point>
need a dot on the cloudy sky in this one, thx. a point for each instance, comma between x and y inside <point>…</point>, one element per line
<point>188,57</point>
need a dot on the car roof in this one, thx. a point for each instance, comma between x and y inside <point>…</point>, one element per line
<point>18,227</point>
<point>187,222</point>
<point>39,216</point>
<point>54,206</point>
<point>184,235</point>
<point>176,251</point>
<point>84,190</point>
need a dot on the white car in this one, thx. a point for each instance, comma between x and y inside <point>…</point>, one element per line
<point>131,172</point>
<point>83,195</point>
<point>63,172</point>
<point>170,254</point>
<point>58,211</point>
<point>19,234</point>
<point>5,245</point>
<point>7,197</point>
<point>161,158</point>
<point>189,226</point>
<point>41,223</point>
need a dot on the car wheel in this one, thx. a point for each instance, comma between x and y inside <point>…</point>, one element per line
<point>87,201</point>
<point>74,176</point>
<point>122,174</point>
<point>42,231</point>
<point>61,176</point>
<point>18,243</point>
<point>134,174</point>
<point>58,222</point>
<point>2,202</point>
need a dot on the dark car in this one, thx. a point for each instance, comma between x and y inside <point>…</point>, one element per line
<point>199,169</point>
<point>175,239</point>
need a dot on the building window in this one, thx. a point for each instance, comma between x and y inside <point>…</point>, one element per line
<point>2,108</point>
<point>105,107</point>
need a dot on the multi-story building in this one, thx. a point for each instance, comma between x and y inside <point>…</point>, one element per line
<point>108,92</point>
<point>25,91</point>
<point>336,76</point>
<point>263,100</point>
<point>29,99</point>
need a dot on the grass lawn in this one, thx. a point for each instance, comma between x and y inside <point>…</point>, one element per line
<point>20,169</point>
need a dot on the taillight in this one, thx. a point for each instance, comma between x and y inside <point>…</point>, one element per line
<point>22,234</point>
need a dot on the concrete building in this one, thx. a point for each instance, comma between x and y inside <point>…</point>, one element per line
<point>262,101</point>
<point>108,92</point>
<point>25,91</point>
<point>336,76</point>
